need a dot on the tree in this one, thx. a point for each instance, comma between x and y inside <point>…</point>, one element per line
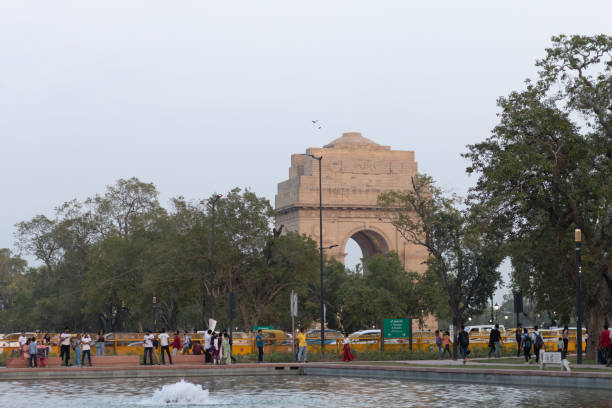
<point>385,290</point>
<point>13,284</point>
<point>546,168</point>
<point>464,246</point>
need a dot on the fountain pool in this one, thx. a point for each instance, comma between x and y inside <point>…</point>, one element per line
<point>285,391</point>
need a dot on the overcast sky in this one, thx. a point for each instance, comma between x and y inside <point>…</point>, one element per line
<point>201,96</point>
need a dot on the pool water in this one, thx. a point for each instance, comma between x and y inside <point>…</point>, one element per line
<point>286,391</point>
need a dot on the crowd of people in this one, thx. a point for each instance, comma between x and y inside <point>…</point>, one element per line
<point>526,341</point>
<point>217,347</point>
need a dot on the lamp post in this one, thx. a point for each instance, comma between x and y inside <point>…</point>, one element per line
<point>578,239</point>
<point>496,308</point>
<point>319,159</point>
<point>211,270</point>
<point>154,313</point>
<point>491,320</point>
<point>124,310</point>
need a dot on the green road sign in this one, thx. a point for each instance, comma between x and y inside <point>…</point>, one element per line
<point>394,328</point>
<point>255,328</point>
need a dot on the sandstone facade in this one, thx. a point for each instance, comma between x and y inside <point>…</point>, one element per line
<point>355,170</point>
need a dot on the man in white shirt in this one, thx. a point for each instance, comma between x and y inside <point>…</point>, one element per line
<point>22,340</point>
<point>148,346</point>
<point>86,348</point>
<point>65,339</point>
<point>207,345</point>
<point>163,342</point>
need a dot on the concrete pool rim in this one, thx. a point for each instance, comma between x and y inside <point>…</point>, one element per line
<point>507,377</point>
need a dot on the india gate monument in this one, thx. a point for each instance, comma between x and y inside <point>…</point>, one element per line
<point>355,170</point>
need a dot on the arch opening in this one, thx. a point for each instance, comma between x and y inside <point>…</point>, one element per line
<point>353,258</point>
<point>369,242</point>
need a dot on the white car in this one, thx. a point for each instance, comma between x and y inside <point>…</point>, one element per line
<point>483,329</point>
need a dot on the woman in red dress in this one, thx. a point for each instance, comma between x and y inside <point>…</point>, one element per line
<point>348,356</point>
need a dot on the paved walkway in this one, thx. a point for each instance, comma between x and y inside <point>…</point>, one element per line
<point>520,362</point>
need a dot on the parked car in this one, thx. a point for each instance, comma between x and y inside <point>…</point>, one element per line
<point>331,336</point>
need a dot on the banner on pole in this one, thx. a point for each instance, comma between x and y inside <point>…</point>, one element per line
<point>212,323</point>
<point>294,304</point>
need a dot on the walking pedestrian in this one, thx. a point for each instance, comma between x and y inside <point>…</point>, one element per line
<point>176,343</point>
<point>207,345</point>
<point>464,343</point>
<point>439,344</point>
<point>565,335</point>
<point>33,351</point>
<point>495,341</point>
<point>260,346</point>
<point>163,341</point>
<point>560,348</point>
<point>302,346</point>
<point>217,348</point>
<point>229,339</point>
<point>446,342</point>
<point>526,341</point>
<point>518,335</point>
<point>538,343</point>
<point>347,355</point>
<point>86,348</point>
<point>76,346</point>
<point>226,350</point>
<point>186,342</point>
<point>22,342</point>
<point>605,346</point>
<point>148,346</point>
<point>100,343</point>
<point>65,338</point>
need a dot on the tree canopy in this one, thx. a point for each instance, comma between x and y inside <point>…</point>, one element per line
<point>546,170</point>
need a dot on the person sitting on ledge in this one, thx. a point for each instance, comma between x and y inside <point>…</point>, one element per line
<point>197,348</point>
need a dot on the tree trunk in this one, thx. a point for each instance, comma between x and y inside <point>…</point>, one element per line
<point>455,334</point>
<point>596,317</point>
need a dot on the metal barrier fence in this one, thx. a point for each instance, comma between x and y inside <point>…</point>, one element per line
<point>244,343</point>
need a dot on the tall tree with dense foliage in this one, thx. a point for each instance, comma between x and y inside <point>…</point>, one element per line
<point>464,246</point>
<point>106,258</point>
<point>547,168</point>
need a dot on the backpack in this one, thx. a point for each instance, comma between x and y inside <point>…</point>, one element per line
<point>539,342</point>
<point>464,338</point>
<point>526,341</point>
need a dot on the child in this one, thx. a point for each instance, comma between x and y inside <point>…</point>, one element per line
<point>447,343</point>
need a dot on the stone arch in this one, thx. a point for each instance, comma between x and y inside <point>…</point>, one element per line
<point>354,172</point>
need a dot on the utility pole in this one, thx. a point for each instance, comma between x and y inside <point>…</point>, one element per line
<point>211,255</point>
<point>578,239</point>
<point>319,159</point>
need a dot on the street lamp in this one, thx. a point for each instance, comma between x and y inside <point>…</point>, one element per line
<point>211,255</point>
<point>154,313</point>
<point>578,239</point>
<point>327,247</point>
<point>319,159</point>
<point>496,308</point>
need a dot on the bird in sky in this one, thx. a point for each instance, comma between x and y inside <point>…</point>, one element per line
<point>316,123</point>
